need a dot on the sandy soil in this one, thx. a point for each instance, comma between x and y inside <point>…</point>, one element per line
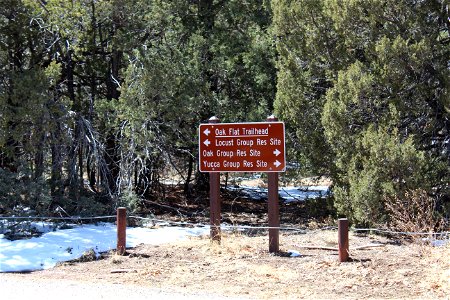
<point>242,267</point>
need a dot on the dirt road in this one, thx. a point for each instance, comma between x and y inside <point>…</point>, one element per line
<point>242,268</point>
<point>13,287</point>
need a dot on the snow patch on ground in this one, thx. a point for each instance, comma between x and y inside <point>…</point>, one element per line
<point>288,194</point>
<point>52,247</point>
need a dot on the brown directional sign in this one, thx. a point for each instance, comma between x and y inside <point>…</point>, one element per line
<point>242,147</point>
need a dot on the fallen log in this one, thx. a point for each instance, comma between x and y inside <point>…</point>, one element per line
<point>115,271</point>
<point>315,247</point>
<point>178,210</point>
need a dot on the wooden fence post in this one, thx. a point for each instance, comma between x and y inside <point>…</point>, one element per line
<point>343,239</point>
<point>121,230</point>
<point>273,207</point>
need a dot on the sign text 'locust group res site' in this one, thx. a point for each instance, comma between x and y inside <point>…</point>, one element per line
<point>242,147</point>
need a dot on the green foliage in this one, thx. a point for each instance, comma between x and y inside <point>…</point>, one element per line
<point>8,186</point>
<point>203,60</point>
<point>306,52</point>
<point>22,196</point>
<point>130,200</point>
<point>86,206</point>
<point>381,166</point>
<point>98,97</point>
<point>366,84</point>
<point>320,208</point>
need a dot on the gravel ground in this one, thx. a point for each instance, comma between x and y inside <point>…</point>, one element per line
<point>13,287</point>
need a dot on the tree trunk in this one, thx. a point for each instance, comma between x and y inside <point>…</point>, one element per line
<point>187,188</point>
<point>56,184</point>
<point>39,155</point>
<point>91,173</point>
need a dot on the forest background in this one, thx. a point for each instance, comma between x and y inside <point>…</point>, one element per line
<point>98,99</point>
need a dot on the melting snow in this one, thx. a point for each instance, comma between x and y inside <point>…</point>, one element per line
<point>45,251</point>
<point>62,245</point>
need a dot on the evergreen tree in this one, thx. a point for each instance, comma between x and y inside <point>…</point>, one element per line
<point>99,97</point>
<point>204,59</point>
<point>371,81</point>
<point>25,83</point>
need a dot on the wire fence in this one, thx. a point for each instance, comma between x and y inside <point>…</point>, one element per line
<point>226,226</point>
<point>393,232</point>
<point>58,218</point>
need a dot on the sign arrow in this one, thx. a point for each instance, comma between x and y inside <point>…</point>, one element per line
<point>277,163</point>
<point>207,143</point>
<point>206,132</point>
<point>277,152</point>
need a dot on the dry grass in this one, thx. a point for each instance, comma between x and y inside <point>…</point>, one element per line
<point>415,211</point>
<point>242,267</point>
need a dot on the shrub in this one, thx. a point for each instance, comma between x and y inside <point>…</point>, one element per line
<point>130,200</point>
<point>414,211</point>
<point>21,196</point>
<point>383,165</point>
